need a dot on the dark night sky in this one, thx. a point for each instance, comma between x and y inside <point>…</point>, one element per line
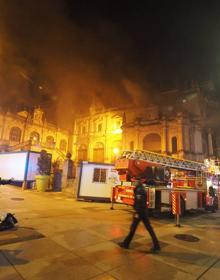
<point>60,50</point>
<point>167,38</point>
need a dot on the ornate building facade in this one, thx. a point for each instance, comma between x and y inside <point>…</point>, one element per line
<point>179,135</point>
<point>185,129</point>
<point>26,131</point>
<point>98,135</point>
<point>180,130</point>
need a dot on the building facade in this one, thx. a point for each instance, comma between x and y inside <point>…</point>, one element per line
<point>180,130</point>
<point>179,136</point>
<point>31,131</point>
<point>187,129</point>
<point>98,135</point>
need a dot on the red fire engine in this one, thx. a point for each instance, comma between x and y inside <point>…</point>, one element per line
<point>171,183</point>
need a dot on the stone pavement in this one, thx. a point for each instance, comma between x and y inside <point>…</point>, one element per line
<point>60,238</point>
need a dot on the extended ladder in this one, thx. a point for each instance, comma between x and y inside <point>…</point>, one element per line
<point>164,160</point>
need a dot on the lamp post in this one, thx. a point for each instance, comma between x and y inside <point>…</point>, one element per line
<point>115,152</point>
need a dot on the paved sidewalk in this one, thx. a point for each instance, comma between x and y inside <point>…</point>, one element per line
<point>60,238</point>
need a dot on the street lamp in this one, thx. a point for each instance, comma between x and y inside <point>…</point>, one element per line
<point>116,151</point>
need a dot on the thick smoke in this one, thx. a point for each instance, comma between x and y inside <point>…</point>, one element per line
<point>48,59</point>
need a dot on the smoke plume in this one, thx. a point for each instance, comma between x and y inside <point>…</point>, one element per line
<point>48,59</point>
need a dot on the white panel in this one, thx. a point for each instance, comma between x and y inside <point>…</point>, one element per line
<point>191,200</point>
<point>151,197</point>
<point>165,196</point>
<point>13,165</point>
<point>32,165</point>
<point>89,188</point>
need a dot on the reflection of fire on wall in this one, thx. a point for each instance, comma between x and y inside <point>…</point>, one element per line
<point>31,131</point>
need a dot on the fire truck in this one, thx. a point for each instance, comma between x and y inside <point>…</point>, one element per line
<point>164,177</point>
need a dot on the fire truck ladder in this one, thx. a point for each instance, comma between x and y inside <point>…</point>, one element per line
<point>164,160</point>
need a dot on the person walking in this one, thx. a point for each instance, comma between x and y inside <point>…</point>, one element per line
<point>141,214</point>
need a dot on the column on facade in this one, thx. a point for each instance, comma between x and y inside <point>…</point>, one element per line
<point>24,131</point>
<point>198,141</point>
<point>107,149</point>
<point>74,143</point>
<point>180,135</point>
<point>90,151</point>
<point>210,143</point>
<point>164,138</point>
<point>138,143</point>
<point>124,143</point>
<point>90,141</point>
<point>3,125</point>
<point>107,139</point>
<point>187,136</point>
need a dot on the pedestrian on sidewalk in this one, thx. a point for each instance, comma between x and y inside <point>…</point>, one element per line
<point>68,175</point>
<point>140,214</point>
<point>213,197</point>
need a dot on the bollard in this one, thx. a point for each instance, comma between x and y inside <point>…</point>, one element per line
<point>112,198</point>
<point>178,220</point>
<point>24,185</point>
<point>176,209</point>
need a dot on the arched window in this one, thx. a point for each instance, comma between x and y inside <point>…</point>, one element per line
<point>82,153</point>
<point>99,127</point>
<point>152,142</point>
<point>35,137</point>
<point>15,134</point>
<point>50,141</point>
<point>174,145</point>
<point>63,145</point>
<point>98,152</point>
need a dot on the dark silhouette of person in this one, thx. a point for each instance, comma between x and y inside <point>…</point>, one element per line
<point>212,194</point>
<point>141,214</point>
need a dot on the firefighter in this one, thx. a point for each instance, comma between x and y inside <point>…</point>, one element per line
<point>140,214</point>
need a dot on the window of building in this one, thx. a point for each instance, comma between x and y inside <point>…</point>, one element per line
<point>35,137</point>
<point>98,152</point>
<point>131,146</point>
<point>15,134</point>
<point>50,141</point>
<point>152,142</point>
<point>99,127</point>
<point>84,130</point>
<point>100,175</point>
<point>63,145</point>
<point>174,145</point>
<point>118,124</point>
<point>82,153</point>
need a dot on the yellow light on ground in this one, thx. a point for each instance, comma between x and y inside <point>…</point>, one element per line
<point>116,151</point>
